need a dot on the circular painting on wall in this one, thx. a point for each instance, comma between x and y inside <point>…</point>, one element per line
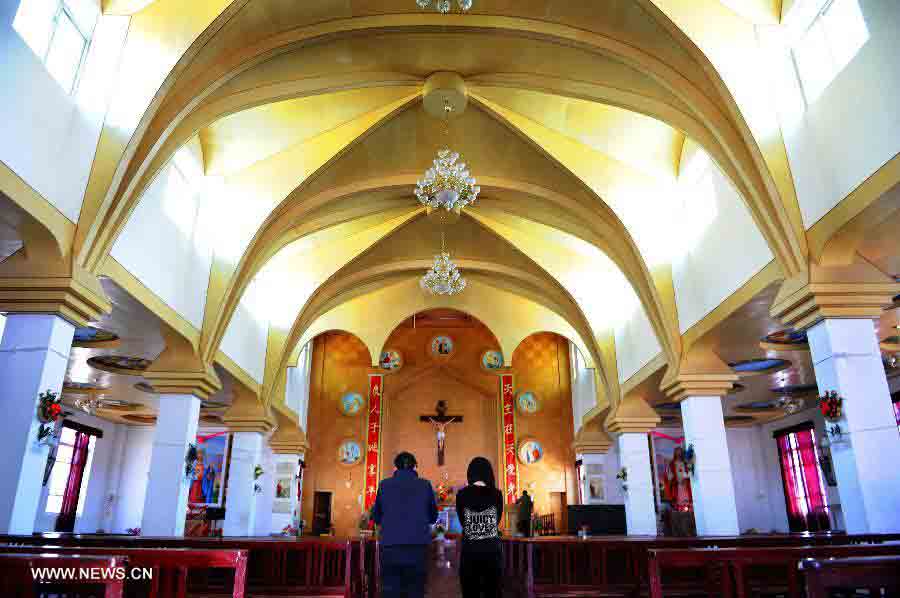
<point>442,346</point>
<point>492,360</point>
<point>349,452</point>
<point>527,403</point>
<point>351,404</point>
<point>391,360</point>
<point>530,451</point>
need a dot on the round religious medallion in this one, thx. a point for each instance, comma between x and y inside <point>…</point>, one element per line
<point>351,404</point>
<point>530,451</point>
<point>491,360</point>
<point>391,360</point>
<point>527,403</point>
<point>349,452</point>
<point>441,346</point>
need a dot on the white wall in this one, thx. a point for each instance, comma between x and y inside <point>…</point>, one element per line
<point>636,343</point>
<point>246,337</point>
<point>101,483</point>
<point>164,245</point>
<point>49,137</point>
<point>852,128</point>
<point>723,247</point>
<point>129,504</point>
<point>584,387</point>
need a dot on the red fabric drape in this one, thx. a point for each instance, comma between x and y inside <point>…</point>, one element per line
<point>817,515</point>
<point>897,412</point>
<point>65,522</point>
<point>796,520</point>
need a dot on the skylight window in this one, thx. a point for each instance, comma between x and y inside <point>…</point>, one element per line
<point>59,33</point>
<point>835,36</point>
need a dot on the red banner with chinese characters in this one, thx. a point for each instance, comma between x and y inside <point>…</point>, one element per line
<point>373,437</point>
<point>508,421</point>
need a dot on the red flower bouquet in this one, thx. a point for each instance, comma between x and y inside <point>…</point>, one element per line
<point>830,405</point>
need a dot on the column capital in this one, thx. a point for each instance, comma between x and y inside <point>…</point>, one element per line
<point>858,291</point>
<point>700,373</point>
<point>632,415</point>
<point>76,297</point>
<point>180,370</point>
<point>248,414</point>
<point>592,438</point>
<point>288,438</point>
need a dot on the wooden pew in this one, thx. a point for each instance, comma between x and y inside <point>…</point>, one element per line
<point>169,568</point>
<point>90,575</point>
<point>867,572</point>
<point>749,571</point>
<point>619,565</point>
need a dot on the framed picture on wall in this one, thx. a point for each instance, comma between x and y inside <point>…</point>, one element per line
<point>207,487</point>
<point>596,488</point>
<point>283,488</point>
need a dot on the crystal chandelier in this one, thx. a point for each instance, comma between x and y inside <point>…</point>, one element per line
<point>443,278</point>
<point>443,6</point>
<point>447,184</point>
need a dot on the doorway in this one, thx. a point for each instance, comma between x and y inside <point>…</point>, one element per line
<point>321,523</point>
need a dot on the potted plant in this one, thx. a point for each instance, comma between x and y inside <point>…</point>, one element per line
<point>439,532</point>
<point>622,476</point>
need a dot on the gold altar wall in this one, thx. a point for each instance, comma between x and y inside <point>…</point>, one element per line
<point>340,365</point>
<point>541,365</point>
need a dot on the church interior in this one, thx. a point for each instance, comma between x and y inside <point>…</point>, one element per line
<point>642,255</point>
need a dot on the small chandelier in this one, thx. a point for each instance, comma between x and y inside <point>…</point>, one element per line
<point>443,6</point>
<point>443,278</point>
<point>89,406</point>
<point>790,405</point>
<point>447,184</point>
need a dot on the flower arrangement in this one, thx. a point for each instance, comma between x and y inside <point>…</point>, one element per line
<point>439,531</point>
<point>48,412</point>
<point>689,457</point>
<point>290,530</point>
<point>830,405</point>
<point>133,531</point>
<point>443,491</point>
<point>190,459</point>
<point>258,472</point>
<point>622,476</point>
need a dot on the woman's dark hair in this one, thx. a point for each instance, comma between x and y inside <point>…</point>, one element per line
<point>480,470</point>
<point>405,460</point>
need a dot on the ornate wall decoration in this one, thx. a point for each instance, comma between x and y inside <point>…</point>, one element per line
<point>350,452</point>
<point>527,403</point>
<point>491,360</point>
<point>530,451</point>
<point>351,404</point>
<point>390,360</point>
<point>441,346</point>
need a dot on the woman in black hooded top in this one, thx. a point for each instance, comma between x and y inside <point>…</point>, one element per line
<point>480,509</point>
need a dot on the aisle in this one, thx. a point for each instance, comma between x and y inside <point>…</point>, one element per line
<point>443,573</point>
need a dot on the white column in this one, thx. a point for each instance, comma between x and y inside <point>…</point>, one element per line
<point>715,508</point>
<point>847,359</point>
<point>34,355</point>
<point>165,503</point>
<point>240,511</point>
<point>640,507</point>
<point>262,521</point>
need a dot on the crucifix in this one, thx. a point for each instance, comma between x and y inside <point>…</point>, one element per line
<point>439,421</point>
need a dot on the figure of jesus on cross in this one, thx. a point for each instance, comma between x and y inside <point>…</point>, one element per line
<point>439,421</point>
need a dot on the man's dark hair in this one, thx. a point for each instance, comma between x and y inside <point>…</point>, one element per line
<point>524,492</point>
<point>480,470</point>
<point>405,460</point>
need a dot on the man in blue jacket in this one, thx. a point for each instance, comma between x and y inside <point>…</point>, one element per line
<point>405,509</point>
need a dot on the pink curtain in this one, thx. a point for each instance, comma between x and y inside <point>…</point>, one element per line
<point>65,522</point>
<point>897,412</point>
<point>796,520</point>
<point>817,515</point>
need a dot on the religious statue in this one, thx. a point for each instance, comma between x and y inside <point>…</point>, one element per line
<point>678,483</point>
<point>439,421</point>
